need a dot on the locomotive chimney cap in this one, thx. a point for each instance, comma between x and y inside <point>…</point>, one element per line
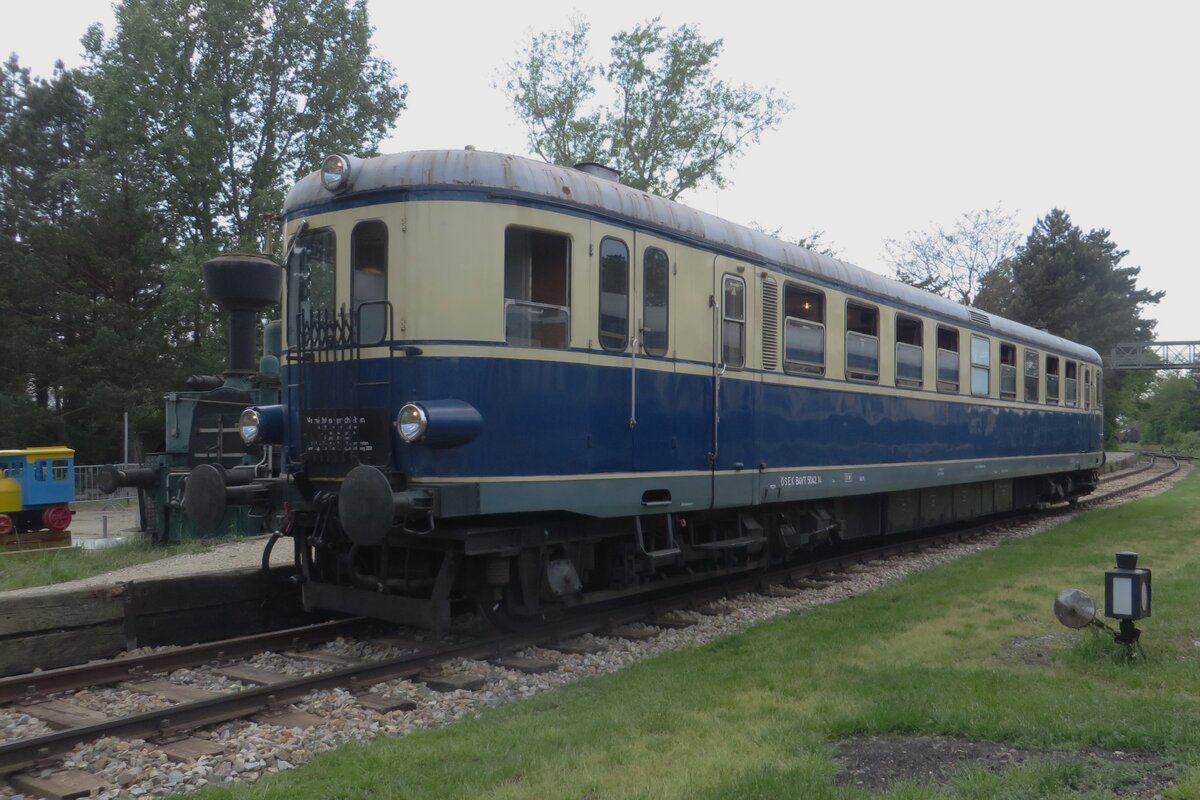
<point>243,282</point>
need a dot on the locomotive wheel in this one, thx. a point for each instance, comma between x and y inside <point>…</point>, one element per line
<point>56,518</point>
<point>6,525</point>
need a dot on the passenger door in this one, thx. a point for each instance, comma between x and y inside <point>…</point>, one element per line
<point>657,400</point>
<point>733,386</point>
<point>609,382</point>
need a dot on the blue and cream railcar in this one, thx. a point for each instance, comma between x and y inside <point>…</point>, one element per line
<point>535,385</point>
<point>36,486</point>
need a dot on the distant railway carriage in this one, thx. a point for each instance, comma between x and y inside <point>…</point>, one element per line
<point>36,486</point>
<point>532,386</point>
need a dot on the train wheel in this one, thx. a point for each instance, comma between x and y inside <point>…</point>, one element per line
<point>56,518</point>
<point>6,525</point>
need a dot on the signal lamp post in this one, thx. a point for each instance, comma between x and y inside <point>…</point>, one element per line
<point>1127,596</point>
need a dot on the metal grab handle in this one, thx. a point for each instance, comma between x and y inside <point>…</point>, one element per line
<point>633,384</point>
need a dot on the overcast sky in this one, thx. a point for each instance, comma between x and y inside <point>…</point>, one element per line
<point>907,114</point>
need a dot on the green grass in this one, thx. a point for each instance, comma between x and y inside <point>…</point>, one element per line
<point>757,715</point>
<point>20,570</point>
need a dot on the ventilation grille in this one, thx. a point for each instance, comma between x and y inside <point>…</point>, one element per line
<point>980,318</point>
<point>770,331</point>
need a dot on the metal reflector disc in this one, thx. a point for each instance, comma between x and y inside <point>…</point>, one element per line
<point>1074,608</point>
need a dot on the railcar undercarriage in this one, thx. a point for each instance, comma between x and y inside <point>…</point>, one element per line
<point>522,572</point>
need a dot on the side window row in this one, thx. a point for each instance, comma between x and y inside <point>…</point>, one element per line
<point>537,313</point>
<point>804,348</point>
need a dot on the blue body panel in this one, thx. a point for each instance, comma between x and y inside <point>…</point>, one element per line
<point>548,418</point>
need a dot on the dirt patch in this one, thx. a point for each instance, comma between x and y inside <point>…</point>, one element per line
<point>1036,651</point>
<point>882,762</point>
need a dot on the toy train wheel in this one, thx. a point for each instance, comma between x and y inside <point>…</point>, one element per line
<point>6,525</point>
<point>56,518</point>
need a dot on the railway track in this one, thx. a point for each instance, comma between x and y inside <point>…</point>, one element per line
<point>266,695</point>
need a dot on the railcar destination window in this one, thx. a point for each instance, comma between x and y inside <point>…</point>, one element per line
<point>310,278</point>
<point>368,281</point>
<point>909,352</point>
<point>614,294</point>
<point>656,287</point>
<point>733,321</point>
<point>537,271</point>
<point>803,330</point>
<point>1052,380</point>
<point>1008,371</point>
<point>947,359</point>
<point>981,365</point>
<point>1032,376</point>
<point>862,342</point>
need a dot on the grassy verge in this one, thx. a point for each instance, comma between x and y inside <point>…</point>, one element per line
<point>20,570</point>
<point>758,715</point>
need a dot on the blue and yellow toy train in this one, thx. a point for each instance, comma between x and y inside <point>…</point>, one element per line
<point>37,485</point>
<point>533,387</point>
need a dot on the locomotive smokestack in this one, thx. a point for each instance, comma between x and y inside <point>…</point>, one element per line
<point>243,285</point>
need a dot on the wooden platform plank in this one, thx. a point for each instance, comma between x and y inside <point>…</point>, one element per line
<point>55,610</point>
<point>61,648</point>
<point>34,540</point>
<point>441,682</point>
<point>172,691</point>
<point>190,749</point>
<point>633,634</point>
<point>580,647</point>
<point>66,785</point>
<point>377,702</point>
<point>62,714</point>
<point>532,666</point>
<point>291,719</point>
<point>263,677</point>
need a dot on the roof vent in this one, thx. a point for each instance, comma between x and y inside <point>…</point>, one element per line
<point>980,318</point>
<point>599,171</point>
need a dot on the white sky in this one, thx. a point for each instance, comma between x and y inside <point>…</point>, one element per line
<point>907,113</point>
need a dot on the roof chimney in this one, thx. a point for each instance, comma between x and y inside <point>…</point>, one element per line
<point>599,171</point>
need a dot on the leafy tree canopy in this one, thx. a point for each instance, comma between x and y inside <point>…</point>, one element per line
<point>235,98</point>
<point>670,125</point>
<point>1073,284</point>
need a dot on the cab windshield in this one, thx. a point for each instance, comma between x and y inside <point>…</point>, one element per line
<point>311,268</point>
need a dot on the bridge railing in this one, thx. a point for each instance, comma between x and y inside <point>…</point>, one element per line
<point>1154,355</point>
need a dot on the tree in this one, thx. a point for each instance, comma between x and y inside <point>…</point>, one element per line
<point>1171,410</point>
<point>955,262</point>
<point>1072,284</point>
<point>236,98</point>
<point>671,124</point>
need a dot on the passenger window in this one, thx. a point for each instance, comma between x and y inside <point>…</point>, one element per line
<point>803,330</point>
<point>947,359</point>
<point>1008,371</point>
<point>862,342</point>
<point>39,471</point>
<point>614,294</point>
<point>733,321</point>
<point>1032,376</point>
<point>60,470</point>
<point>368,281</point>
<point>537,310</point>
<point>1087,387</point>
<point>981,365</point>
<point>909,357</point>
<point>1072,384</point>
<point>310,279</point>
<point>1052,392</point>
<point>1099,388</point>
<point>656,286</point>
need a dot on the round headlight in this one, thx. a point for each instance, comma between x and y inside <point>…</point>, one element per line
<point>411,422</point>
<point>250,426</point>
<point>335,172</point>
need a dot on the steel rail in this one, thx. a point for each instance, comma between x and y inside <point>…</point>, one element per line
<point>97,673</point>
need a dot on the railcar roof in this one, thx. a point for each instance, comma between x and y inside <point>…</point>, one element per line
<point>478,169</point>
